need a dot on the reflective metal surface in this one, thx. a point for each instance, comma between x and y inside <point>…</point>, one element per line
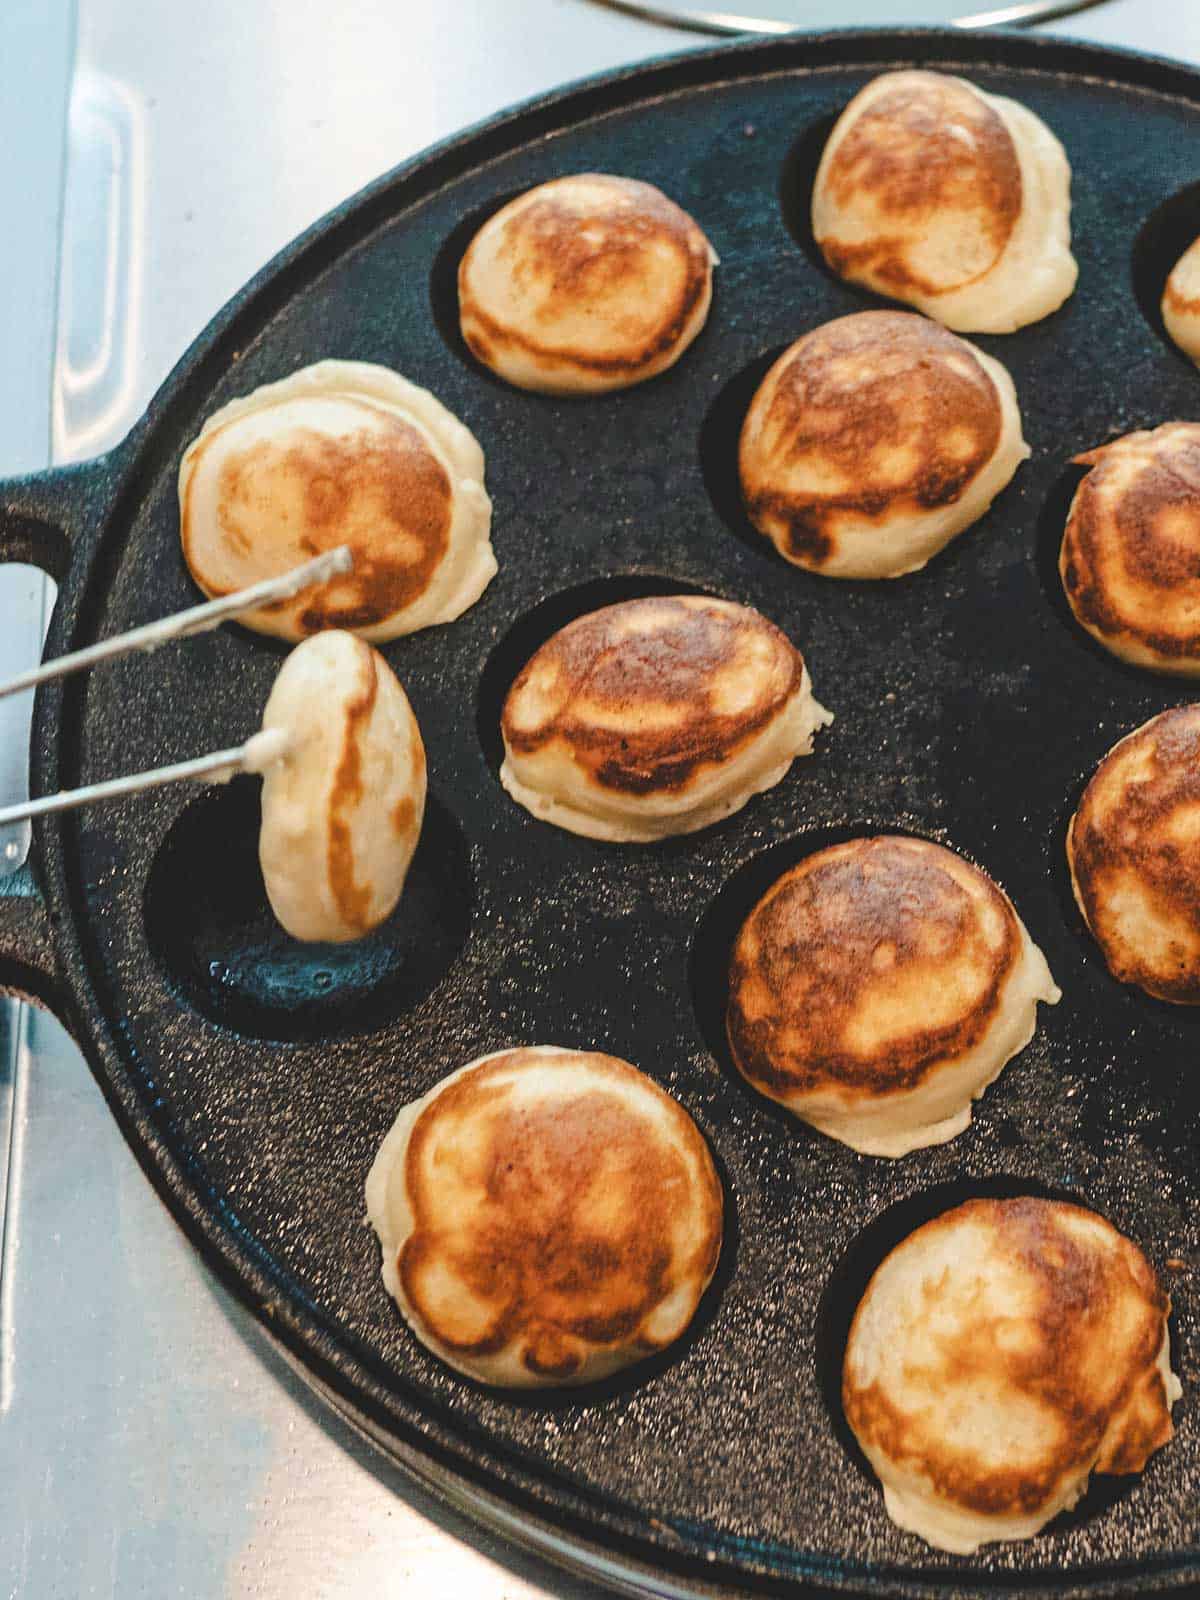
<point>152,1443</point>
<point>784,16</point>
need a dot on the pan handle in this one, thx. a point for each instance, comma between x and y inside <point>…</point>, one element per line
<point>43,518</point>
<point>28,960</point>
<point>44,514</point>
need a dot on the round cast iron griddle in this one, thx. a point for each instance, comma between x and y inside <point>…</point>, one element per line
<point>255,1079</point>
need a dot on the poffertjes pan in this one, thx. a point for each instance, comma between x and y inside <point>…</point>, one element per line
<point>257,1077</point>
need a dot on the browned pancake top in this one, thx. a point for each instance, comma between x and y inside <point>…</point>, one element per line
<point>875,414</point>
<point>1184,271</point>
<point>1130,560</point>
<point>600,273</point>
<point>353,899</point>
<point>563,1217</point>
<point>1137,831</point>
<point>867,966</point>
<point>1077,1350</point>
<point>1175,300</point>
<point>927,153</point>
<point>644,694</point>
<point>381,491</point>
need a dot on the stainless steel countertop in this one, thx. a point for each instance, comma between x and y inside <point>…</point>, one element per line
<point>151,1441</point>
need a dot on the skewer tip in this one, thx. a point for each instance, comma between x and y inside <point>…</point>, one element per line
<point>263,749</point>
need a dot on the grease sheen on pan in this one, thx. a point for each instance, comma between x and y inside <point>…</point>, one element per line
<point>342,808</point>
<point>546,1217</point>
<point>343,452</point>
<point>1181,302</point>
<point>1130,559</point>
<point>873,441</point>
<point>954,200</point>
<point>656,717</point>
<point>585,284</point>
<point>1001,1354</point>
<point>878,987</point>
<point>1134,851</point>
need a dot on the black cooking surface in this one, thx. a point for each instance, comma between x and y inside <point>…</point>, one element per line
<point>970,709</point>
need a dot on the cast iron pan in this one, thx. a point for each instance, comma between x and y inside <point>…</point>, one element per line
<point>254,1078</point>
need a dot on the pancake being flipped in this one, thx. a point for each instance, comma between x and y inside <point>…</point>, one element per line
<point>956,201</point>
<point>546,1216</point>
<point>585,284</point>
<point>656,717</point>
<point>1181,302</point>
<point>1130,559</point>
<point>343,452</point>
<point>878,988</point>
<point>873,441</point>
<point>1002,1354</point>
<point>342,808</point>
<point>1134,852</point>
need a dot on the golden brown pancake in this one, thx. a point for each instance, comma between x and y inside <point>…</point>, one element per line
<point>874,440</point>
<point>878,987</point>
<point>953,200</point>
<point>547,1217</point>
<point>343,452</point>
<point>656,717</point>
<point>342,808</point>
<point>585,284</point>
<point>1134,852</point>
<point>1130,559</point>
<point>1002,1354</point>
<point>1181,302</point>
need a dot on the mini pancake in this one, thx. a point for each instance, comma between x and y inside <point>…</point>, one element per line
<point>585,284</point>
<point>656,717</point>
<point>1002,1354</point>
<point>1134,852</point>
<point>873,441</point>
<point>546,1216</point>
<point>1181,302</point>
<point>342,452</point>
<point>956,201</point>
<point>342,808</point>
<point>1130,559</point>
<point>878,988</point>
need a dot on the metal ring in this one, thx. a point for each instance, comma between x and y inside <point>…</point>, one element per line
<point>820,13</point>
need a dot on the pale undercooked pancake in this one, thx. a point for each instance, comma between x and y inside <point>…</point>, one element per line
<point>343,452</point>
<point>1181,302</point>
<point>1002,1354</point>
<point>878,988</point>
<point>1134,852</point>
<point>956,201</point>
<point>585,284</point>
<point>342,807</point>
<point>875,439</point>
<point>1130,560</point>
<point>656,717</point>
<point>546,1217</point>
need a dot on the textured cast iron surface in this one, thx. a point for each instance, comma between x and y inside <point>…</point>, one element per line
<point>969,709</point>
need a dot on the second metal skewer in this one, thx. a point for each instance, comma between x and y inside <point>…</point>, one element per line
<point>199,619</point>
<point>259,751</point>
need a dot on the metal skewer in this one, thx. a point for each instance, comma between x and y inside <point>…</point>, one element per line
<point>259,751</point>
<point>199,619</point>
